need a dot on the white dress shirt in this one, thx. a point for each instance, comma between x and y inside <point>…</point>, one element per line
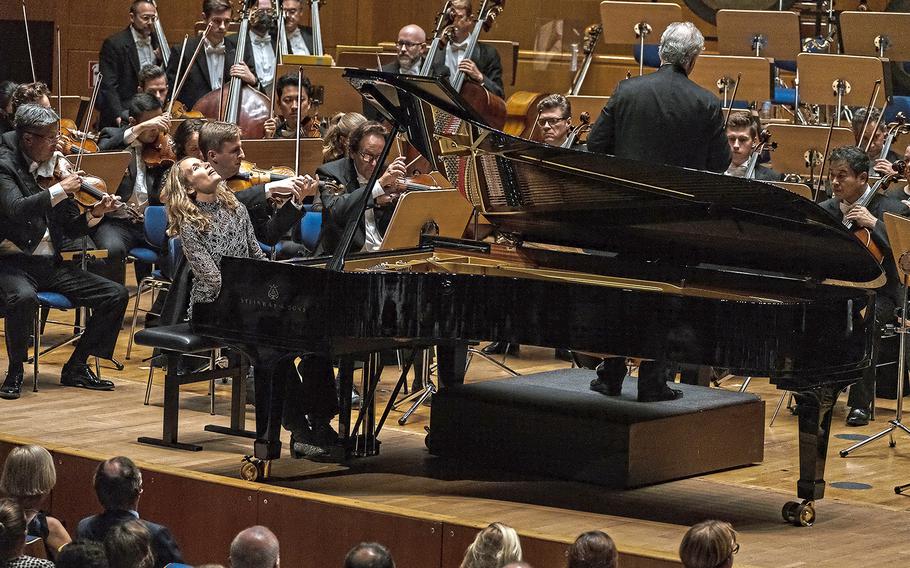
<point>264,54</point>
<point>214,58</point>
<point>373,237</point>
<point>143,48</point>
<point>298,46</point>
<point>455,53</point>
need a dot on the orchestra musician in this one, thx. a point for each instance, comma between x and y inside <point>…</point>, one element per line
<point>849,176</point>
<point>140,186</point>
<point>554,118</point>
<point>298,38</point>
<point>742,135</point>
<point>31,261</point>
<point>153,80</point>
<point>411,47</point>
<point>335,141</point>
<point>212,68</point>
<point>900,191</point>
<point>186,139</point>
<point>484,67</point>
<point>879,166</point>
<point>7,88</point>
<point>286,116</point>
<point>122,57</point>
<point>262,41</point>
<point>664,117</point>
<point>352,173</point>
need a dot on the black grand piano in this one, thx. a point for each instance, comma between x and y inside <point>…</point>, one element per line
<point>604,255</point>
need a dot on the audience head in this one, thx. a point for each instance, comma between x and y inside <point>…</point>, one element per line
<point>153,80</point>
<point>681,44</point>
<point>494,547</point>
<point>142,17</point>
<point>25,93</point>
<point>411,44</point>
<point>849,172</point>
<point>709,544</point>
<point>12,529</point>
<point>286,91</point>
<point>218,13</point>
<point>255,547</point>
<point>369,555</point>
<point>336,137</point>
<point>82,554</point>
<point>862,131</point>
<point>118,484</point>
<point>37,130</point>
<point>186,139</point>
<point>365,147</point>
<point>742,134</point>
<point>129,545</point>
<point>593,549</point>
<point>221,147</point>
<point>554,115</point>
<point>28,475</point>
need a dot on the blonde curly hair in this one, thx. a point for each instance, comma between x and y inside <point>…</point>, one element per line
<point>180,201</point>
<point>494,547</point>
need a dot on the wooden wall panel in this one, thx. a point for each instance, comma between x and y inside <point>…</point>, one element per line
<point>74,498</point>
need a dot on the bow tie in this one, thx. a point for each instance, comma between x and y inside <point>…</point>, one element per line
<point>459,46</point>
<point>45,169</point>
<point>214,50</point>
<point>267,40</point>
<point>144,42</point>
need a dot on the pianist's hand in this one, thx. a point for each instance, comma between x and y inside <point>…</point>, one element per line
<point>396,170</point>
<point>862,217</point>
<point>883,167</point>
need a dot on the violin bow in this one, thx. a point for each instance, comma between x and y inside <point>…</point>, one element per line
<point>59,76</point>
<point>872,99</point>
<point>732,98</point>
<point>299,121</point>
<point>279,29</point>
<point>88,118</point>
<point>192,60</point>
<point>28,40</point>
<point>170,103</point>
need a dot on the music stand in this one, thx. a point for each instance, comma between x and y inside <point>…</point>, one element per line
<point>800,148</point>
<point>799,189</point>
<point>718,73</point>
<point>447,208</point>
<point>841,80</point>
<point>898,229</point>
<point>109,166</point>
<point>288,59</point>
<point>637,23</point>
<point>280,152</point>
<point>760,33</point>
<point>338,94</point>
<point>876,34</point>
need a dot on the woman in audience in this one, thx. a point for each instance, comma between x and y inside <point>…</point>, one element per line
<point>82,554</point>
<point>336,137</point>
<point>28,478</point>
<point>12,538</point>
<point>593,549</point>
<point>709,544</point>
<point>129,545</point>
<point>494,547</point>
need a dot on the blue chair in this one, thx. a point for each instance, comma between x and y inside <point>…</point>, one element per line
<point>651,55</point>
<point>48,301</point>
<point>310,227</point>
<point>155,229</point>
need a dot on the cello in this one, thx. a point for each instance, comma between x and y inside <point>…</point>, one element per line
<point>243,105</point>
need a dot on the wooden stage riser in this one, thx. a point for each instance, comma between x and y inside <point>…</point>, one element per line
<point>205,512</point>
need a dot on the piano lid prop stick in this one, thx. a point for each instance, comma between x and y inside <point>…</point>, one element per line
<point>872,99</point>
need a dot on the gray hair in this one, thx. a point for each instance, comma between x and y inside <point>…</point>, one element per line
<point>32,116</point>
<point>681,43</point>
<point>255,547</point>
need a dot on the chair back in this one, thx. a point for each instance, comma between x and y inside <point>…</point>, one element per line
<point>174,256</point>
<point>310,226</point>
<point>155,226</point>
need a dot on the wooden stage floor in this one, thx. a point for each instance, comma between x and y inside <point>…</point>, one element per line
<point>861,521</point>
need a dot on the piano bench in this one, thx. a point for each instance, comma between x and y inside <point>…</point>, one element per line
<point>174,341</point>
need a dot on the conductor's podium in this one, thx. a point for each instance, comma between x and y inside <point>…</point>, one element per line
<point>552,424</point>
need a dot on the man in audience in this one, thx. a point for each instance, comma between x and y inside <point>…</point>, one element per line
<point>82,554</point>
<point>593,549</point>
<point>369,555</point>
<point>255,547</point>
<point>709,544</point>
<point>118,486</point>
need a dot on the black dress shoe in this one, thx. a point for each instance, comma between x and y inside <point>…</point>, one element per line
<point>500,347</point>
<point>563,355</point>
<point>859,417</point>
<point>80,375</point>
<point>665,393</point>
<point>12,386</point>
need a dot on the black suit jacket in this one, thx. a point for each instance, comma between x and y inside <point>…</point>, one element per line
<point>487,60</point>
<point>306,32</point>
<point>163,544</point>
<point>118,63</point>
<point>111,140</point>
<point>269,225</point>
<point>663,118</point>
<point>337,207</point>
<point>197,83</point>
<point>26,212</point>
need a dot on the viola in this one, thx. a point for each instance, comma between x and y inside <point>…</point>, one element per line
<point>160,152</point>
<point>179,110</point>
<point>71,139</point>
<point>91,191</point>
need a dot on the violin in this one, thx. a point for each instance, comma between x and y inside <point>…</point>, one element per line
<point>420,182</point>
<point>179,110</point>
<point>160,152</point>
<point>249,175</point>
<point>71,142</point>
<point>91,191</point>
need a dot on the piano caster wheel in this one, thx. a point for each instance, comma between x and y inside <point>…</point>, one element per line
<point>844,453</point>
<point>799,514</point>
<point>255,469</point>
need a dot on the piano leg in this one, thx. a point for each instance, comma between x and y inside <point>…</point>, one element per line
<point>271,371</point>
<point>815,410</point>
<point>452,361</point>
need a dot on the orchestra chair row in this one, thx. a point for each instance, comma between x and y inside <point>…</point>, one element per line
<point>155,255</point>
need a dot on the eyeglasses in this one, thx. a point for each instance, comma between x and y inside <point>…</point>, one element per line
<point>147,18</point>
<point>408,44</point>
<point>291,12</point>
<point>53,138</point>
<point>367,157</point>
<point>545,122</point>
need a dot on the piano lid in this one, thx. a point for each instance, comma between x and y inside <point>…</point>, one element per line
<point>652,212</point>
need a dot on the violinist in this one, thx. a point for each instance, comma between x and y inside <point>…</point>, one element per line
<point>153,80</point>
<point>140,186</point>
<point>212,68</point>
<point>485,66</point>
<point>335,141</point>
<point>298,38</point>
<point>875,129</point>
<point>36,93</point>
<point>221,146</point>
<point>122,57</point>
<point>742,135</point>
<point>849,176</point>
<point>186,139</point>
<point>33,223</point>
<point>7,88</point>
<point>287,115</point>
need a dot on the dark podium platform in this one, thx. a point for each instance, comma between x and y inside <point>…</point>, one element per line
<point>553,424</point>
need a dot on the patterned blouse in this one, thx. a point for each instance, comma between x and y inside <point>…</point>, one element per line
<point>231,234</point>
<point>26,562</point>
